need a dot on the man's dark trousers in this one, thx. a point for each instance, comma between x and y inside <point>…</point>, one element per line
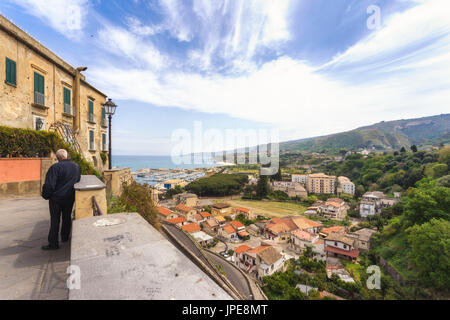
<point>58,210</point>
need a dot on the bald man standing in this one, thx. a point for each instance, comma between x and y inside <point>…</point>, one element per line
<point>58,188</point>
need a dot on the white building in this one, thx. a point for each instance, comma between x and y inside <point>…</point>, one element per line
<point>345,186</point>
<point>300,178</point>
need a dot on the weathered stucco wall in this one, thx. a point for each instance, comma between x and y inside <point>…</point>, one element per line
<point>17,107</point>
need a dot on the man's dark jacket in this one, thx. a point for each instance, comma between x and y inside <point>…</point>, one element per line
<point>60,180</point>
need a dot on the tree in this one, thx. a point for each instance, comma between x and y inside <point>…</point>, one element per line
<point>427,202</point>
<point>414,148</point>
<point>403,150</point>
<point>430,252</point>
<point>439,169</point>
<point>262,187</point>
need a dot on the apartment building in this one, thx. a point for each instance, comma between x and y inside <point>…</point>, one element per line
<point>38,89</point>
<point>320,183</point>
<point>345,186</point>
<point>300,178</point>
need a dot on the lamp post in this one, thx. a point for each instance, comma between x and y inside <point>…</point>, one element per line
<point>110,109</point>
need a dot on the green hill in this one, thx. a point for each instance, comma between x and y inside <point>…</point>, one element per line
<point>387,135</point>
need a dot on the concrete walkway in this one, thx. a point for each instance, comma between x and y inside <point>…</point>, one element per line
<point>27,272</point>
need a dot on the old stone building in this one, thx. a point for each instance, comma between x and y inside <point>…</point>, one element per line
<point>38,89</point>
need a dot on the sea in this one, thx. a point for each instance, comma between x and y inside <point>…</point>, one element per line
<point>157,162</point>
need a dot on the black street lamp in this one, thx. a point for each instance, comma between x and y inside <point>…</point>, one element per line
<point>110,109</point>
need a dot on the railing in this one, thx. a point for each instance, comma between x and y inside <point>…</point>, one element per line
<point>68,109</point>
<point>96,207</point>
<point>39,98</point>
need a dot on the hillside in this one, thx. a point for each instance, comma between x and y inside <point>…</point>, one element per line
<point>381,136</point>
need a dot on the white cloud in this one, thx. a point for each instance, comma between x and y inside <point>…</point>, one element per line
<point>412,49</point>
<point>65,16</point>
<point>131,46</point>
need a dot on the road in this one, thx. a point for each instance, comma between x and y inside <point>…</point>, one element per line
<point>236,278</point>
<point>234,275</point>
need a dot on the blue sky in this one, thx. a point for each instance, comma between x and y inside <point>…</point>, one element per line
<point>304,67</point>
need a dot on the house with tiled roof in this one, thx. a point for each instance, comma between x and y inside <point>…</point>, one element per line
<point>334,208</point>
<point>165,213</point>
<point>362,238</point>
<point>210,226</point>
<point>191,227</point>
<point>188,199</point>
<point>261,261</point>
<point>228,232</point>
<point>340,246</point>
<point>306,224</point>
<point>187,212</point>
<point>325,232</point>
<point>198,218</point>
<point>220,220</point>
<point>301,239</point>
<point>220,209</point>
<point>179,221</point>
<point>244,211</point>
<point>238,255</point>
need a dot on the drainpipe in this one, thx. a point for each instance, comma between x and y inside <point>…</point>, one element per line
<point>76,100</point>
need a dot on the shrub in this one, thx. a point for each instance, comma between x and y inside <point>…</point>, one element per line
<point>136,198</point>
<point>27,143</point>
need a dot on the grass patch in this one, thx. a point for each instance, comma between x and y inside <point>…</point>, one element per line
<point>270,208</point>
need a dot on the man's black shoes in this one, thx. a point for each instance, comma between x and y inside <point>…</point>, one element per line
<point>64,240</point>
<point>49,247</point>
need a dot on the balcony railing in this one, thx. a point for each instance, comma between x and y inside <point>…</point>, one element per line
<point>68,109</point>
<point>39,98</point>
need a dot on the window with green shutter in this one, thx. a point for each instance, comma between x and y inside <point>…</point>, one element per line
<point>91,140</point>
<point>39,89</point>
<point>103,141</point>
<point>91,111</point>
<point>11,77</point>
<point>67,101</point>
<point>103,117</point>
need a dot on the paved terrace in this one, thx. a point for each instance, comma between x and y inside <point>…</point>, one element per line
<point>27,272</point>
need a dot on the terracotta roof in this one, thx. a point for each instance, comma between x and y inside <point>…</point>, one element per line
<point>221,205</point>
<point>332,229</point>
<point>351,253</point>
<point>242,248</point>
<point>258,249</point>
<point>237,224</point>
<point>304,223</point>
<point>341,238</point>
<point>164,211</point>
<point>229,229</point>
<point>177,220</point>
<point>198,217</point>
<point>211,222</point>
<point>278,228</point>
<point>243,233</point>
<point>191,227</point>
<point>205,214</point>
<point>320,241</point>
<point>270,255</point>
<point>220,218</point>
<point>182,207</point>
<point>304,235</point>
<point>242,209</point>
